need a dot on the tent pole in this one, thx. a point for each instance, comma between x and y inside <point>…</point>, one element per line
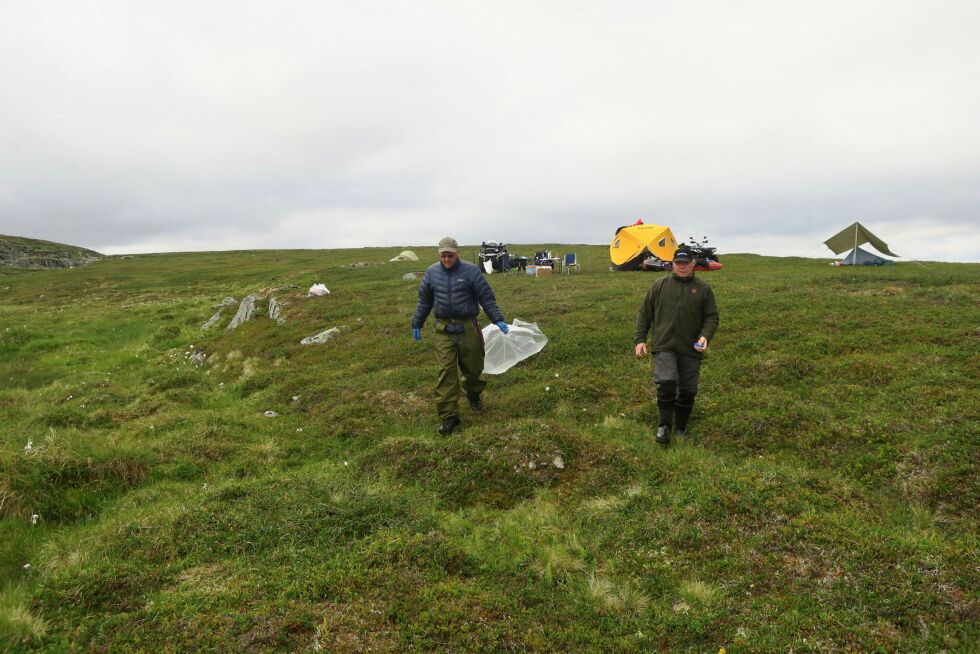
<point>854,254</point>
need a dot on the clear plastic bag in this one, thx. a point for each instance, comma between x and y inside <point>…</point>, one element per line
<point>504,351</point>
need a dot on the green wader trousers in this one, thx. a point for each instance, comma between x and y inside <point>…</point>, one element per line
<point>458,353</point>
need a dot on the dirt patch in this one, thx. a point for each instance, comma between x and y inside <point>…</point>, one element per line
<point>402,405</point>
<point>353,627</point>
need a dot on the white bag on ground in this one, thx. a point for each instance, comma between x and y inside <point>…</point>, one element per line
<point>503,351</point>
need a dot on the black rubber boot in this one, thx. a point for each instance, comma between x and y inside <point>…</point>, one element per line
<point>449,425</point>
<point>682,413</point>
<point>665,412</point>
<point>663,434</point>
<point>680,421</point>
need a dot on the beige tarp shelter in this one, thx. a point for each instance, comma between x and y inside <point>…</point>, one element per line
<point>406,255</point>
<point>851,237</point>
<point>634,243</point>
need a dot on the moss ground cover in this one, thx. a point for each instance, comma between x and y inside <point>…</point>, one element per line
<point>826,501</point>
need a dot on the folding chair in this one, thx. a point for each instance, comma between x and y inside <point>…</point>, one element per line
<point>571,261</point>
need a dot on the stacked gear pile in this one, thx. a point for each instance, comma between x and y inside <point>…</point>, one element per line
<point>497,256</point>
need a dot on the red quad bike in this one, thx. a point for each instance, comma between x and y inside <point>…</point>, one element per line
<point>704,256</point>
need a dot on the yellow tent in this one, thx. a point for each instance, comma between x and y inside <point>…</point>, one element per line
<point>634,243</point>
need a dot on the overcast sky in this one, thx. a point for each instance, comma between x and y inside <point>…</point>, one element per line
<point>138,126</point>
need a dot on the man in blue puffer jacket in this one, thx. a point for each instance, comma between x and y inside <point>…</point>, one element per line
<point>456,290</point>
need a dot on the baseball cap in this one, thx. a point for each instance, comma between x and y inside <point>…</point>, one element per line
<point>448,245</point>
<point>683,253</point>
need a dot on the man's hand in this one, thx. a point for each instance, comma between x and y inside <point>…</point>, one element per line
<point>641,349</point>
<point>417,333</point>
<point>502,326</point>
<point>701,345</point>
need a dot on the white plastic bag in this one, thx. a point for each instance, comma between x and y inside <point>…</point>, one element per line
<point>504,351</point>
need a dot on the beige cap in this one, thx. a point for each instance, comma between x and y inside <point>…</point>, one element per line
<point>448,245</point>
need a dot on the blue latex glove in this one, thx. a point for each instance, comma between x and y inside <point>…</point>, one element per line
<point>416,333</point>
<point>502,326</point>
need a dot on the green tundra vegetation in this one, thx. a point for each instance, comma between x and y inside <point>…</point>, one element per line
<point>271,496</point>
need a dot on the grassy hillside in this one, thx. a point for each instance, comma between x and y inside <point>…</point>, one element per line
<point>20,252</point>
<point>826,501</point>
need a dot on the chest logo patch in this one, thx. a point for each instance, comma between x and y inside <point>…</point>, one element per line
<point>694,291</point>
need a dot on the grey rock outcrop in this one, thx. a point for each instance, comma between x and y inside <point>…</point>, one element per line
<point>20,252</point>
<point>409,277</point>
<point>212,321</point>
<point>246,311</point>
<point>275,311</point>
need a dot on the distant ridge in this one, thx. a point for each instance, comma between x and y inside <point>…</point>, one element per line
<point>20,252</point>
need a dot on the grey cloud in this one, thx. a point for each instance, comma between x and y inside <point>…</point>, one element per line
<point>135,125</point>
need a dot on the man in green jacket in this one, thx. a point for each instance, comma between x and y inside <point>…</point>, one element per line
<point>682,313</point>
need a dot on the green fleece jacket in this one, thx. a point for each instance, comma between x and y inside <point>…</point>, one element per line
<point>680,310</point>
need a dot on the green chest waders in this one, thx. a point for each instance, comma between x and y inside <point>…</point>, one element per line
<point>460,357</point>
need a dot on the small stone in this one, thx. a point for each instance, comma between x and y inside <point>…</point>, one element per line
<point>270,414</point>
<point>322,337</point>
<point>558,462</point>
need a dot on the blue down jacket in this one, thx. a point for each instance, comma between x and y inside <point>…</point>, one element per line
<point>456,293</point>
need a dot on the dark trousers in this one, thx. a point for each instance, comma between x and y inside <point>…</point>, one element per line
<point>676,377</point>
